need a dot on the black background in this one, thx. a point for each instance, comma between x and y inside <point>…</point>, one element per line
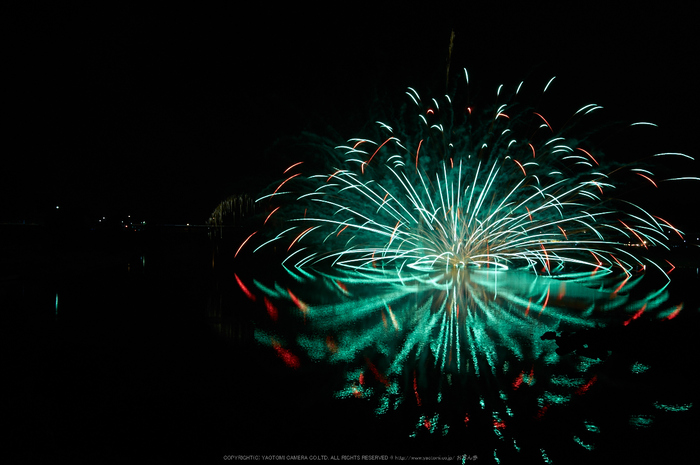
<point>161,112</point>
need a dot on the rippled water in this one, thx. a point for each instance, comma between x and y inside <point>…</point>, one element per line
<point>155,350</point>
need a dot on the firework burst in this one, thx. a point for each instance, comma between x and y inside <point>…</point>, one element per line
<point>438,189</point>
<point>421,260</point>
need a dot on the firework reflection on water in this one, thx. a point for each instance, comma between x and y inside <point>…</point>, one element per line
<point>479,354</point>
<point>462,272</point>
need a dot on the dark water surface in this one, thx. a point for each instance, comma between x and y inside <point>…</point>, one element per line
<point>137,350</point>
<point>106,349</point>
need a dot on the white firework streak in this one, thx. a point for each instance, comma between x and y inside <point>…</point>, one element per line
<point>426,218</point>
<point>492,200</point>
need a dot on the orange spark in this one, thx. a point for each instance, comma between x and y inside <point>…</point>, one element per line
<point>301,305</point>
<point>648,179</point>
<point>518,381</point>
<point>546,257</point>
<point>343,287</point>
<point>541,412</point>
<point>331,176</point>
<point>271,309</point>
<point>675,312</point>
<point>636,315</point>
<point>417,152</point>
<point>333,347</point>
<point>673,267</point>
<point>562,291</point>
<point>393,318</point>
<point>268,216</point>
<point>563,232</point>
<point>669,225</point>
<point>394,231</point>
<point>545,303</point>
<point>289,358</point>
<point>635,233</point>
<point>342,230</point>
<point>589,155</point>
<point>550,127</point>
<point>356,392</point>
<point>298,237</point>
<point>243,288</point>
<point>380,377</point>
<point>415,388</point>
<point>585,387</point>
<point>623,269</point>
<point>375,152</point>
<point>283,182</point>
<point>295,164</point>
<point>239,249</point>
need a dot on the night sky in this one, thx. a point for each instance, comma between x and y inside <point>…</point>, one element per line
<point>162,113</point>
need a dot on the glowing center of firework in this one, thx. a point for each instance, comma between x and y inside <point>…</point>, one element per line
<point>444,192</point>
